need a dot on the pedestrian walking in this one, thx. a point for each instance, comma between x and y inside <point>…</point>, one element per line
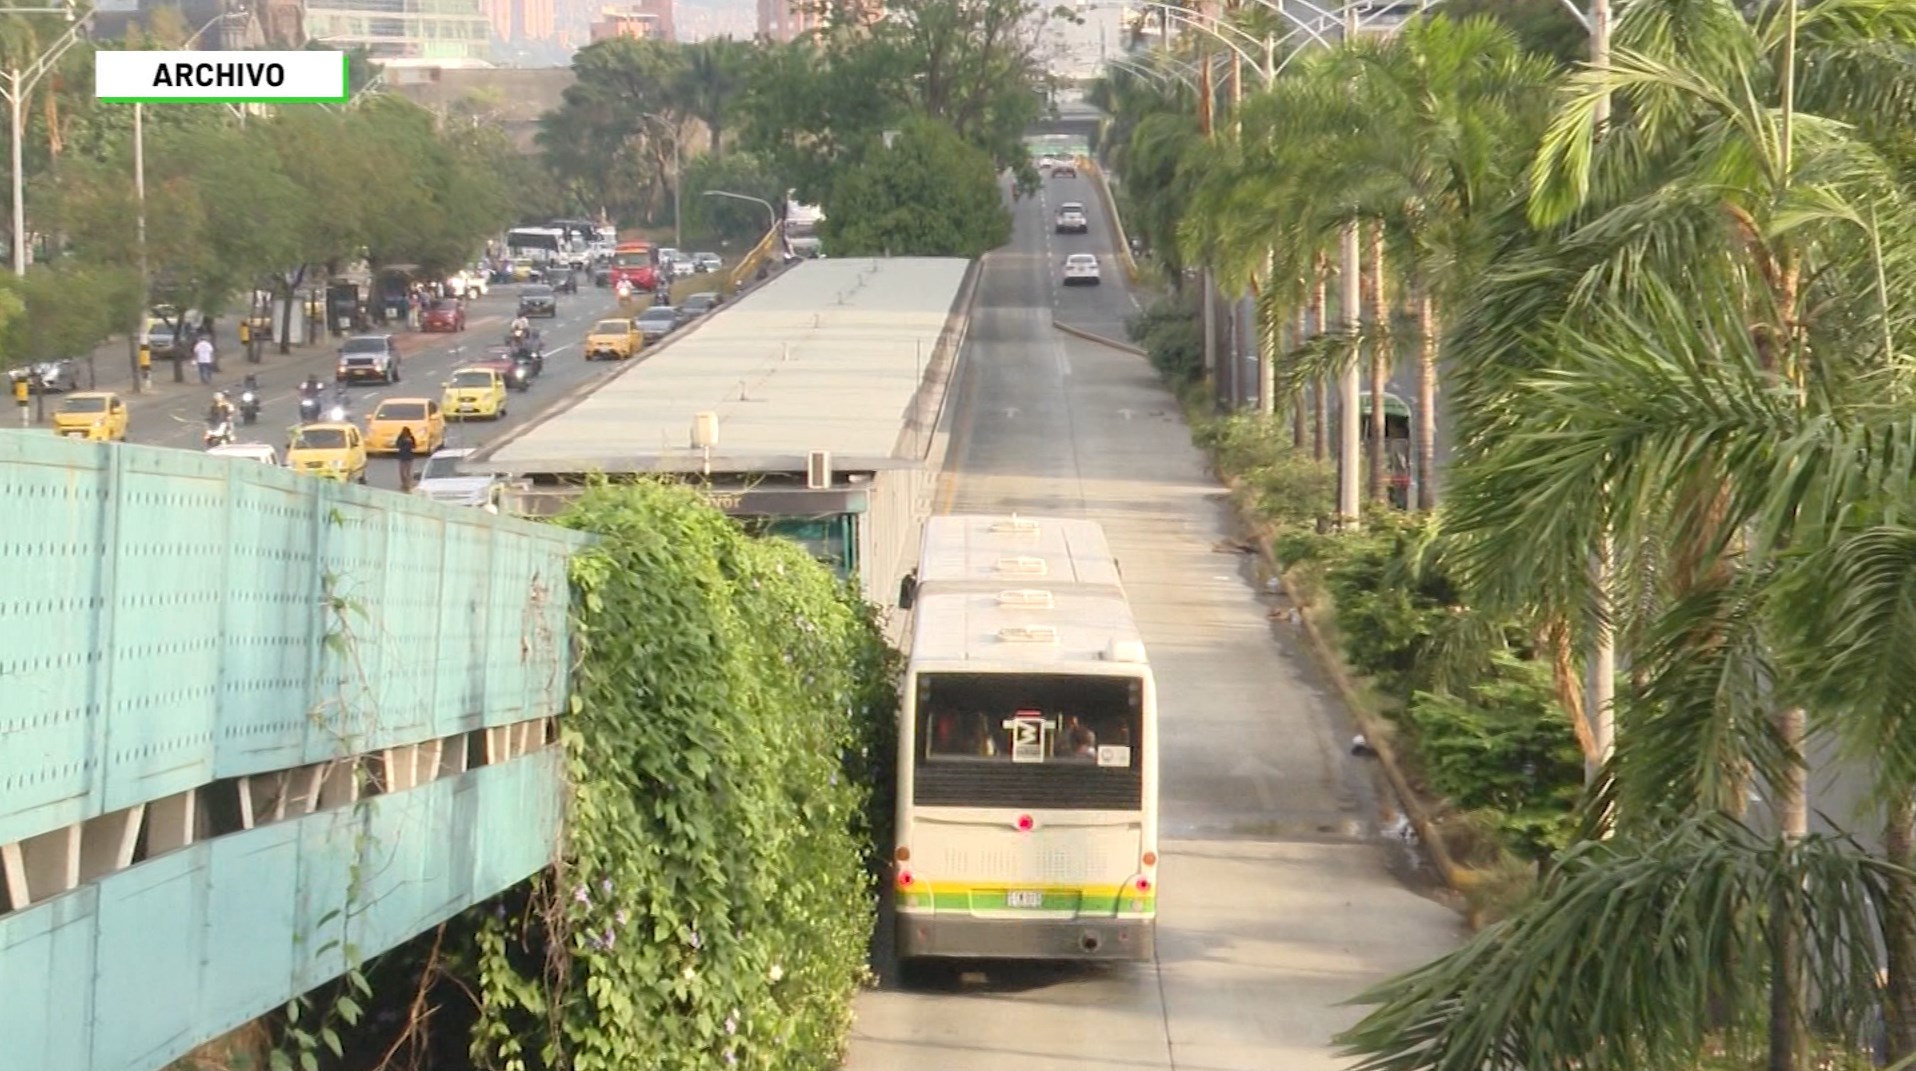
<point>405,446</point>
<point>203,358</point>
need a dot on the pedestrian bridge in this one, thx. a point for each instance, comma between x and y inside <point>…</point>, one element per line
<point>253,727</point>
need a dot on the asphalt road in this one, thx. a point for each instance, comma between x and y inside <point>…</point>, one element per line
<point>1280,896</point>
<point>175,415</point>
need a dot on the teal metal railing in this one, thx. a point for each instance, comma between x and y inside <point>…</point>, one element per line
<point>171,622</point>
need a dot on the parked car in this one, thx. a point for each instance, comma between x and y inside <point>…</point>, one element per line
<point>443,315</point>
<point>538,300</point>
<point>657,322</point>
<point>1081,268</point>
<point>707,262</point>
<point>45,377</point>
<point>1072,220</point>
<point>368,358</point>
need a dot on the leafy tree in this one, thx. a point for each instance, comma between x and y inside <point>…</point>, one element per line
<point>931,193</point>
<point>725,217</point>
<point>614,132</point>
<point>1545,27</point>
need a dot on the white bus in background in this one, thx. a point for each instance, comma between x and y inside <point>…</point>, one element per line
<point>537,244</point>
<point>1027,752</point>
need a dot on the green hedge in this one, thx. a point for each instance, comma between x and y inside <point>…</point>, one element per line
<point>732,705</point>
<point>1170,335</point>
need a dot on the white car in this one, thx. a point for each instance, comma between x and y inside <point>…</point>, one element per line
<point>1072,220</point>
<point>441,481</point>
<point>467,284</point>
<point>684,268</point>
<point>260,452</point>
<point>706,262</point>
<point>1081,268</point>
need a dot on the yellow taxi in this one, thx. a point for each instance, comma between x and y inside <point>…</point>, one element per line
<point>475,392</point>
<point>613,340</point>
<point>422,415</point>
<point>97,416</point>
<point>329,451</point>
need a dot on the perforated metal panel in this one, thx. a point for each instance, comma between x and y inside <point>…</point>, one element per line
<point>164,621</point>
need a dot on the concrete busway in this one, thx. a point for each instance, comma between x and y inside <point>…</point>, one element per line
<point>1279,897</point>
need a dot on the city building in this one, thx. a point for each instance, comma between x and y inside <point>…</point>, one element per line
<point>403,29</point>
<point>639,25</point>
<point>784,20</point>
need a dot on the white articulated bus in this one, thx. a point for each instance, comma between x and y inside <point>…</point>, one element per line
<point>1027,755</point>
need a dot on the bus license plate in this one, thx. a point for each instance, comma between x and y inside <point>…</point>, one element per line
<point>1024,898</point>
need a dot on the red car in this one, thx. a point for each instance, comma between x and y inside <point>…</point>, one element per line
<point>443,316</point>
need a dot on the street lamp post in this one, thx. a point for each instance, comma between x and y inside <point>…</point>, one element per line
<point>771,214</point>
<point>138,339</point>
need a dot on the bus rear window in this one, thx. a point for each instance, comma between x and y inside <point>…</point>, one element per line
<point>1029,740</point>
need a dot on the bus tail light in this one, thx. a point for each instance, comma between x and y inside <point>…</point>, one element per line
<point>1150,859</point>
<point>903,854</point>
<point>1026,824</point>
<point>905,879</point>
<point>1143,883</point>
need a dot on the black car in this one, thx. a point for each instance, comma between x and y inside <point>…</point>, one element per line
<point>538,300</point>
<point>699,304</point>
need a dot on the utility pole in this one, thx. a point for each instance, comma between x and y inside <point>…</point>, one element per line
<point>19,87</point>
<point>1350,440</point>
<point>1267,337</point>
<point>137,339</point>
<point>1207,294</point>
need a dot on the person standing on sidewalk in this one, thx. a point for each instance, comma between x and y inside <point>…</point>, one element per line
<point>203,358</point>
<point>405,446</point>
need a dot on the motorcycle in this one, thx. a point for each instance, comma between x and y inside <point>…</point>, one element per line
<point>308,408</point>
<point>249,406</point>
<point>337,412</point>
<point>219,432</point>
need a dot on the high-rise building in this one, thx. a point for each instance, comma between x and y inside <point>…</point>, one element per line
<point>613,22</point>
<point>403,29</point>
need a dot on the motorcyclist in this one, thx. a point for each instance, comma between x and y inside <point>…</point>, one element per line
<point>220,412</point>
<point>521,327</point>
<point>311,388</point>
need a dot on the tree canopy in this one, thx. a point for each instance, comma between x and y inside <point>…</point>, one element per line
<point>931,193</point>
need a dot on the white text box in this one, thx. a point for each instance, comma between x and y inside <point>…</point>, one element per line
<point>220,77</point>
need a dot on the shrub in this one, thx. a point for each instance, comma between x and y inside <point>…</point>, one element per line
<point>1279,482</point>
<point>712,904</point>
<point>1506,750</point>
<point>1170,335</point>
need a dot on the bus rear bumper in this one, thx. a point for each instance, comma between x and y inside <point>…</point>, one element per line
<point>928,936</point>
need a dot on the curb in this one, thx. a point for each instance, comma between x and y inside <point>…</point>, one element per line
<point>1374,732</point>
<point>1090,336</point>
<point>1111,209</point>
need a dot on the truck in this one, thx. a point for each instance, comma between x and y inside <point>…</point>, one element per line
<point>632,262</point>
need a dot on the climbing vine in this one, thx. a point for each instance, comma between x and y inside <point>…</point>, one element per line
<point>731,710</point>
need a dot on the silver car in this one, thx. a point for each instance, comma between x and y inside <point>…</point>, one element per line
<point>46,377</point>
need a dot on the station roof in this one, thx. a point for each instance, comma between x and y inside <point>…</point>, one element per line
<point>831,355</point>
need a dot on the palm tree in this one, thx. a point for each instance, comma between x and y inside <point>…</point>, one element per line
<point>1698,350</point>
<point>1430,129</point>
<point>712,82</point>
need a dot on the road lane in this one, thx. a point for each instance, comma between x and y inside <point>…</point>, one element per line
<point>178,419</point>
<point>1278,896</point>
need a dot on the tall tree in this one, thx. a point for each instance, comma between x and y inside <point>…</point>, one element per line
<point>930,193</point>
<point>713,81</point>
